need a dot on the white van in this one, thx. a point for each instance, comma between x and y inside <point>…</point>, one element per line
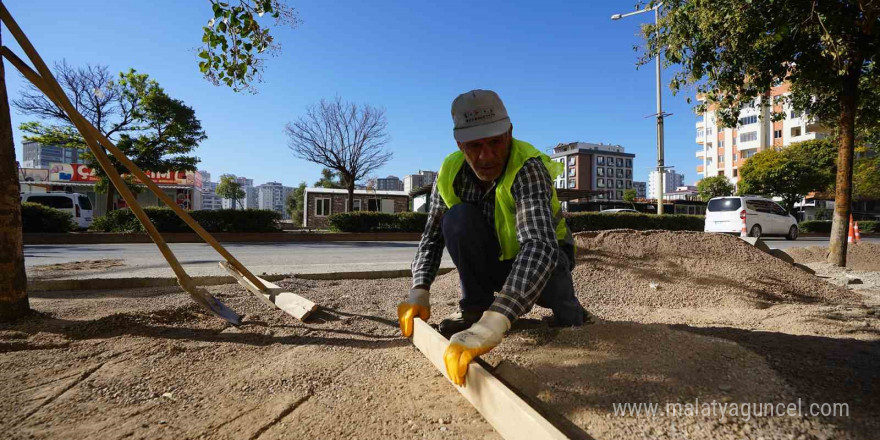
<point>77,205</point>
<point>762,216</point>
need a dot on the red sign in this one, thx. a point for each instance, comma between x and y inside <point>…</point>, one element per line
<point>75,172</point>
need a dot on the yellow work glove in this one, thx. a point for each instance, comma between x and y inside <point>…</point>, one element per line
<point>464,346</point>
<point>417,304</point>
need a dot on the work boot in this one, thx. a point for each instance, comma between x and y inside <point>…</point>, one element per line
<point>587,320</point>
<point>458,322</point>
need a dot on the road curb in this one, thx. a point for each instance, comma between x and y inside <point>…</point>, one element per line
<point>131,283</point>
<point>223,237</point>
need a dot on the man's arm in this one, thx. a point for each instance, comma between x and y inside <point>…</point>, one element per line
<point>430,251</point>
<point>532,191</point>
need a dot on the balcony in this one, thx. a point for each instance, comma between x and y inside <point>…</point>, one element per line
<point>699,169</point>
<point>815,127</point>
<point>700,154</point>
<point>701,124</point>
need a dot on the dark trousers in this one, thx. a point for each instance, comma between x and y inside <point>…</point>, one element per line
<point>474,250</point>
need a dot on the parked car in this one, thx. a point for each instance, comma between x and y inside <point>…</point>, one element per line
<point>619,210</point>
<point>762,217</point>
<point>77,205</point>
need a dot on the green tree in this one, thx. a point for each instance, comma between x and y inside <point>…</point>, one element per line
<point>715,186</point>
<point>329,179</point>
<point>790,174</point>
<point>866,175</point>
<point>154,130</point>
<point>294,203</point>
<point>229,188</point>
<point>629,196</point>
<point>734,51</point>
<point>234,39</point>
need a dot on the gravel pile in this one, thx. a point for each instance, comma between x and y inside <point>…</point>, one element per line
<point>859,256</point>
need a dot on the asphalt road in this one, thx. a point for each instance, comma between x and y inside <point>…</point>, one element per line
<point>144,260</point>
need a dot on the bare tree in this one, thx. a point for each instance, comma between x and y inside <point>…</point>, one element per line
<point>342,136</point>
<point>91,91</point>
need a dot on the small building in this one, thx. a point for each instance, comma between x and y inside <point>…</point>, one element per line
<point>320,203</point>
<point>685,192</point>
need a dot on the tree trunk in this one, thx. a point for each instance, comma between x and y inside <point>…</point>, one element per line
<point>13,279</point>
<point>111,192</point>
<point>843,192</point>
<point>350,202</point>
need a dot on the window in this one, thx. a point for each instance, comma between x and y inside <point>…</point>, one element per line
<point>700,133</point>
<point>748,137</point>
<point>85,203</point>
<point>571,160</point>
<point>720,158</point>
<point>57,202</point>
<point>721,144</point>
<point>600,160</point>
<point>620,195</point>
<point>726,204</point>
<point>735,173</point>
<point>733,140</point>
<point>571,183</point>
<point>620,184</point>
<point>620,172</point>
<point>629,163</point>
<point>795,131</point>
<point>720,172</point>
<point>609,172</point>
<point>629,174</point>
<point>619,162</point>
<point>571,171</point>
<point>600,183</point>
<point>373,205</point>
<point>777,134</point>
<point>746,120</point>
<point>600,172</point>
<point>734,157</point>
<point>322,207</point>
<point>792,114</point>
<point>356,205</point>
<point>629,184</point>
<point>708,161</point>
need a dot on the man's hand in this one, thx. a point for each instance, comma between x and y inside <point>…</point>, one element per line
<point>418,303</point>
<point>464,346</point>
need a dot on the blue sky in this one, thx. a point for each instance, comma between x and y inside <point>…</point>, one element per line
<point>565,71</point>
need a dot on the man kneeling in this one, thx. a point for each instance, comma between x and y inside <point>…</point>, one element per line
<point>495,209</point>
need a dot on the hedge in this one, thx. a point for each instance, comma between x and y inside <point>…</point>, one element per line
<point>378,222</point>
<point>598,221</point>
<point>222,220</point>
<point>824,226</point>
<point>40,218</point>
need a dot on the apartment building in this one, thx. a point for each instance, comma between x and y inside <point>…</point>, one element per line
<point>251,195</point>
<point>390,183</point>
<point>595,167</point>
<point>37,155</point>
<point>641,189</point>
<point>723,150</point>
<point>272,195</point>
<point>413,182</point>
<point>671,181</point>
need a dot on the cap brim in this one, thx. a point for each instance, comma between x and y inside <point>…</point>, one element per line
<point>482,131</point>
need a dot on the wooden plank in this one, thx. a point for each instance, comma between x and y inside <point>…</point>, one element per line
<point>291,303</point>
<point>512,417</point>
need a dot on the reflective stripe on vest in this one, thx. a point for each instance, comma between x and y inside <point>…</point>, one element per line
<point>505,206</point>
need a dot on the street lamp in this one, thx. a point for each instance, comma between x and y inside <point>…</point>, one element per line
<point>660,115</point>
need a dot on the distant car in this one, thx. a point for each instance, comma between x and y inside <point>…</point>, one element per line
<point>762,217</point>
<point>620,210</point>
<point>77,205</point>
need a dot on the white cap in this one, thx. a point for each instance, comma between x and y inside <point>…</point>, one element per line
<point>479,114</point>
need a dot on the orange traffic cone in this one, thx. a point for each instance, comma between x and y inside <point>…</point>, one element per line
<point>743,233</point>
<point>858,237</point>
<point>851,234</point>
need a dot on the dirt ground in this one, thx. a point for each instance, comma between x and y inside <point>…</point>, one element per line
<point>679,317</point>
<point>62,270</point>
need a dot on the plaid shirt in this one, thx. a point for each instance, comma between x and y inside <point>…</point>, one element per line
<point>532,190</point>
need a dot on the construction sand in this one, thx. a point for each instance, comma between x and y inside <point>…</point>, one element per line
<point>723,322</point>
<point>863,256</point>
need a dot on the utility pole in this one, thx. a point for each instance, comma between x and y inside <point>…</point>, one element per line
<point>661,168</point>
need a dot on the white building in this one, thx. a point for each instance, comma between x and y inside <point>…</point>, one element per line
<point>251,196</point>
<point>272,195</point>
<point>682,193</point>
<point>724,150</point>
<point>671,180</point>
